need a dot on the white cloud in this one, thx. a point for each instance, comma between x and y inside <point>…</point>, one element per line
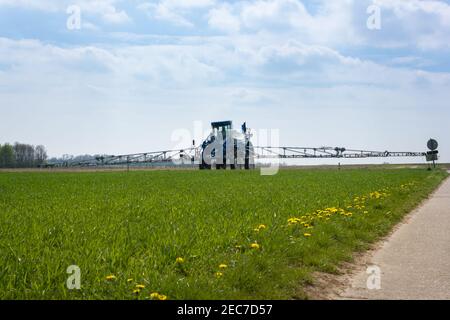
<point>117,17</point>
<point>417,23</point>
<point>45,5</point>
<point>89,26</point>
<point>331,24</point>
<point>188,4</point>
<point>257,13</point>
<point>106,9</point>
<point>414,23</point>
<point>118,91</point>
<point>405,23</point>
<point>160,11</point>
<point>222,19</point>
<point>174,11</point>
<point>403,8</point>
<point>206,63</point>
<point>413,61</point>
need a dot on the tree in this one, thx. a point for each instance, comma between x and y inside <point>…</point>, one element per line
<point>40,155</point>
<point>29,156</point>
<point>19,152</point>
<point>24,154</point>
<point>7,158</point>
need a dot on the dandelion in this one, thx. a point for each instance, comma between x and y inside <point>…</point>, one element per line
<point>129,280</point>
<point>260,227</point>
<point>154,295</point>
<point>140,286</point>
<point>254,246</point>
<point>179,260</point>
<point>111,277</point>
<point>219,274</point>
<point>136,291</point>
<point>223,266</point>
<point>307,235</point>
<point>162,297</point>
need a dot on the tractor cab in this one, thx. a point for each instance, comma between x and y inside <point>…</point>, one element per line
<point>227,147</point>
<point>222,127</point>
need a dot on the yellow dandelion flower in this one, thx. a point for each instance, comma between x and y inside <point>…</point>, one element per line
<point>162,297</point>
<point>254,246</point>
<point>219,274</point>
<point>154,295</point>
<point>136,291</point>
<point>179,260</point>
<point>307,235</point>
<point>111,277</point>
<point>260,227</point>
<point>140,286</point>
<point>223,266</point>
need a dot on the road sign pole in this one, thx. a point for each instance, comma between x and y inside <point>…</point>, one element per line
<point>432,155</point>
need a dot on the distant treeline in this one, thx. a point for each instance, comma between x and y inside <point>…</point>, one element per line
<point>72,158</point>
<point>22,155</point>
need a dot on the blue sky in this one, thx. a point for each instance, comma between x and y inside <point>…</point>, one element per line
<point>136,71</point>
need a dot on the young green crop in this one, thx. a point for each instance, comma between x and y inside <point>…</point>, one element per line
<point>192,234</point>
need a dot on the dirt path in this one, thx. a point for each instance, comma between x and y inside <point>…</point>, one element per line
<point>414,262</point>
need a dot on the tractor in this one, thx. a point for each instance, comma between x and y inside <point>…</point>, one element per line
<point>227,148</point>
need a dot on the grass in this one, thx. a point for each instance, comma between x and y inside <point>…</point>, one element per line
<point>133,226</point>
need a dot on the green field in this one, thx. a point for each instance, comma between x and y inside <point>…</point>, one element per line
<point>239,235</point>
